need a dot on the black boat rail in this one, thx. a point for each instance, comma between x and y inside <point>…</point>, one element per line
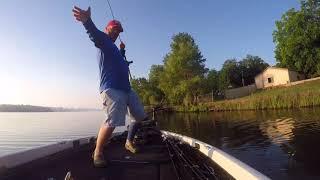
<point>187,162</point>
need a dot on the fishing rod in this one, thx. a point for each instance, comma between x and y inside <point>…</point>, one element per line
<point>122,45</point>
<point>176,161</point>
<point>187,160</point>
<point>171,155</point>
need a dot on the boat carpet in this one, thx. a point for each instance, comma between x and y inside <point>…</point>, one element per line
<point>152,162</point>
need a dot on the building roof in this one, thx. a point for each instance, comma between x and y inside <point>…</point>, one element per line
<point>271,67</point>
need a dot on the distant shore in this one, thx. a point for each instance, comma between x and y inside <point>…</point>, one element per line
<point>31,108</point>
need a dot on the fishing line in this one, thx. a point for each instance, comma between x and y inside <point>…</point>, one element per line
<point>110,9</point>
<point>113,16</point>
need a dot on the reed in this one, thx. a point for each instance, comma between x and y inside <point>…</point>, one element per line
<point>298,96</point>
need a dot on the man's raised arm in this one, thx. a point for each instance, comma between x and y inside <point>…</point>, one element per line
<point>85,17</point>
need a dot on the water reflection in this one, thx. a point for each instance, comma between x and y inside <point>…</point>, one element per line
<point>282,144</point>
<point>22,131</point>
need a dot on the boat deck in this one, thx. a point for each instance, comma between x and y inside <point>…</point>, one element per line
<point>153,162</point>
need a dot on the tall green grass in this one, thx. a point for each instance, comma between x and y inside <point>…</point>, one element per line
<point>298,96</point>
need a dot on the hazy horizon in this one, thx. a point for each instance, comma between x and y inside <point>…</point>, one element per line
<point>47,106</point>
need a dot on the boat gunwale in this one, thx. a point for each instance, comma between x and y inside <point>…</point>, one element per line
<point>233,166</point>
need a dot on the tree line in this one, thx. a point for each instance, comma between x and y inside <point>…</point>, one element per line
<point>183,77</point>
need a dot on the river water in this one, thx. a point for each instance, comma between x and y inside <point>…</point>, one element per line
<point>281,144</point>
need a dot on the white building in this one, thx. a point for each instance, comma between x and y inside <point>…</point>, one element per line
<point>273,76</point>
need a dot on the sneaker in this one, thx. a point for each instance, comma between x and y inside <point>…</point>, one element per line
<point>99,161</point>
<point>68,176</point>
<point>130,147</point>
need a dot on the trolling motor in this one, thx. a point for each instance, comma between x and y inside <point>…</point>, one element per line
<point>149,128</point>
<point>147,131</point>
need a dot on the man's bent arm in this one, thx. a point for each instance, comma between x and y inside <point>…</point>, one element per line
<point>97,36</point>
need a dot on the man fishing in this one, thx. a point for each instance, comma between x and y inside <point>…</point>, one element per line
<point>118,97</point>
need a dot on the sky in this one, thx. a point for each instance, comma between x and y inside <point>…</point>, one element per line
<point>47,59</point>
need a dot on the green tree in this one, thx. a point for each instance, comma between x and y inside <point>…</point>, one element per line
<point>183,70</point>
<point>157,95</point>
<point>148,92</point>
<point>229,76</point>
<point>235,73</point>
<point>142,87</point>
<point>296,37</point>
<point>155,74</point>
<point>250,67</point>
<point>212,81</point>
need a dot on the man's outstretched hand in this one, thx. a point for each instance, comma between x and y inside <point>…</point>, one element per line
<point>81,15</point>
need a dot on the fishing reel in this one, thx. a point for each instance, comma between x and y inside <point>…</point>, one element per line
<point>123,52</point>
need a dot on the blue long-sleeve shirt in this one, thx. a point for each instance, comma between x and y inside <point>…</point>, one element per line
<point>113,69</point>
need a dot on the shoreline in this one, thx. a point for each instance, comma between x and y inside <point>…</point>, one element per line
<point>306,95</point>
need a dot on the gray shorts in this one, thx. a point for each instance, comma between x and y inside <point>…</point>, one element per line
<point>117,104</point>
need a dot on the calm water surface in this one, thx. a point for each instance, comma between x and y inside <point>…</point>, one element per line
<point>22,131</point>
<point>281,144</point>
